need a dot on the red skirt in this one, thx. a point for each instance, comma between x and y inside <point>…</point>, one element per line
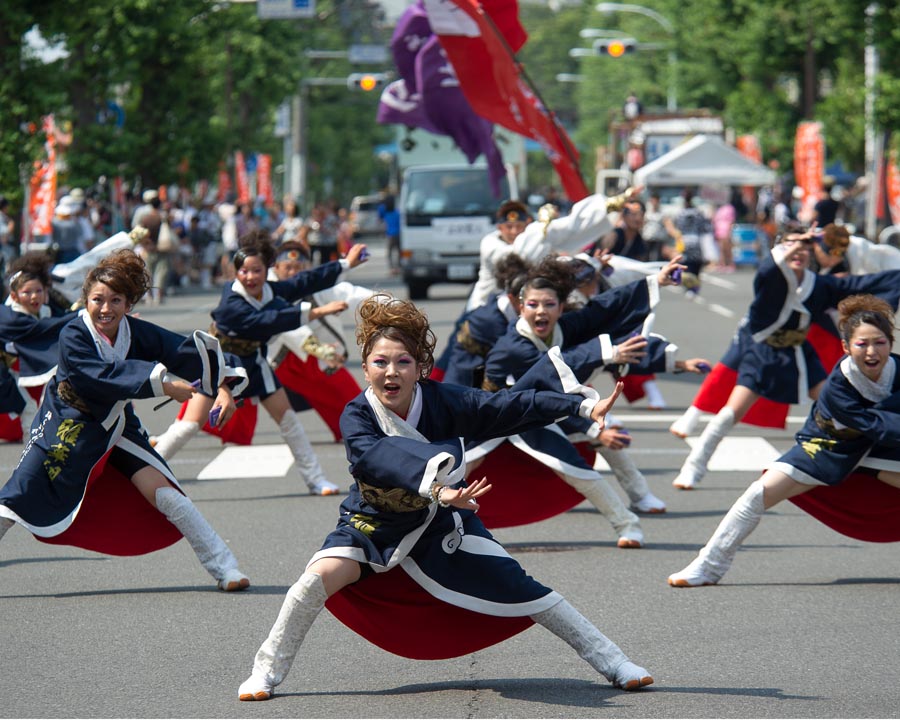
<point>327,394</point>
<point>717,386</point>
<point>524,490</point>
<point>861,507</point>
<point>10,428</point>
<point>392,611</point>
<point>115,519</point>
<point>240,427</point>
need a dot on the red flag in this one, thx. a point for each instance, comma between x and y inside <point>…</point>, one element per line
<point>241,178</point>
<point>264,177</point>
<point>480,39</point>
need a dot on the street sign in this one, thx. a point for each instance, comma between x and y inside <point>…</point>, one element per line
<point>283,120</point>
<point>367,54</point>
<point>285,9</point>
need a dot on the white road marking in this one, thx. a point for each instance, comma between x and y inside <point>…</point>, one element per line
<point>659,417</point>
<point>249,461</point>
<point>740,453</point>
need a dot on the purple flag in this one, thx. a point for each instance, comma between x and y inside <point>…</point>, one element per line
<point>428,95</point>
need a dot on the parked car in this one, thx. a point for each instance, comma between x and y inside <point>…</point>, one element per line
<point>364,218</point>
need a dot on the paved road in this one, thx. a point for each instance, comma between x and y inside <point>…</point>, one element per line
<point>805,626</point>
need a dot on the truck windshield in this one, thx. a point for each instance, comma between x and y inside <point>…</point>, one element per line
<point>461,192</point>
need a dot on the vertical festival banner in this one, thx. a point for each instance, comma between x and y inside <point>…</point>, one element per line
<point>749,147</point>
<point>118,197</point>
<point>241,178</point>
<point>809,164</point>
<point>224,182</point>
<point>264,177</point>
<point>892,186</point>
<point>43,185</point>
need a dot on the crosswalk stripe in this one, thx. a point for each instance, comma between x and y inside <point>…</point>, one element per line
<point>740,453</point>
<point>254,461</point>
<point>658,417</point>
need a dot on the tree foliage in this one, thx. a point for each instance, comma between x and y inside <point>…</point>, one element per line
<point>196,79</point>
<point>763,65</point>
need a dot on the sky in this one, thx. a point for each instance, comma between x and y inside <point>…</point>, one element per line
<point>395,8</point>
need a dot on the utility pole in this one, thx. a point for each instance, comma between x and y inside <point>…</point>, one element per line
<point>872,150</point>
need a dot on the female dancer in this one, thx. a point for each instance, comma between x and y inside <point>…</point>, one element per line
<point>854,412</point>
<point>72,484</point>
<point>836,253</point>
<point>309,361</point>
<point>481,327</point>
<point>411,508</point>
<point>250,312</point>
<point>613,314</point>
<point>30,323</point>
<point>776,361</point>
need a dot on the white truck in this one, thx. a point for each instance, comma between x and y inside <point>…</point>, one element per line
<point>447,207</point>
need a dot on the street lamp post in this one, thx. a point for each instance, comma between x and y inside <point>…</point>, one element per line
<point>610,7</point>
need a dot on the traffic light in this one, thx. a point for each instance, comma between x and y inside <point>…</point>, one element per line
<point>366,81</point>
<point>614,47</point>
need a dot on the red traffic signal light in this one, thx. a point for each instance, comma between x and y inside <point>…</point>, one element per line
<point>366,81</point>
<point>614,48</point>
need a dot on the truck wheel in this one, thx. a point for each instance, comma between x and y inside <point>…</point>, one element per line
<point>417,290</point>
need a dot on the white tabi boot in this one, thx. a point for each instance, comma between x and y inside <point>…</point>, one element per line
<point>632,481</point>
<point>716,556</point>
<point>5,525</point>
<point>598,492</point>
<point>694,467</point>
<point>687,423</point>
<point>307,463</point>
<point>655,399</point>
<point>594,647</point>
<point>174,438</point>
<point>212,552</point>
<point>302,604</point>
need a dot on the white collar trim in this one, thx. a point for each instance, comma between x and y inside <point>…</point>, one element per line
<point>110,353</point>
<point>267,295</point>
<point>872,391</point>
<point>524,329</point>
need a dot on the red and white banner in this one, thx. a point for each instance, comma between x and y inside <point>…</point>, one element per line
<point>809,164</point>
<point>224,182</point>
<point>42,195</point>
<point>748,146</point>
<point>241,178</point>
<point>480,39</point>
<point>119,194</point>
<point>264,177</point>
<point>892,186</point>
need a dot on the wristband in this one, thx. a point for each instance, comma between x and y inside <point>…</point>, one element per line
<point>439,501</point>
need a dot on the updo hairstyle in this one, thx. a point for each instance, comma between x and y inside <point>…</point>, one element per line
<point>550,274</point>
<point>123,272</point>
<point>30,266</point>
<point>859,310</point>
<point>511,272</point>
<point>255,243</point>
<point>383,316</point>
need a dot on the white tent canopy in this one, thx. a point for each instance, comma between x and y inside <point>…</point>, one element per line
<point>703,160</point>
